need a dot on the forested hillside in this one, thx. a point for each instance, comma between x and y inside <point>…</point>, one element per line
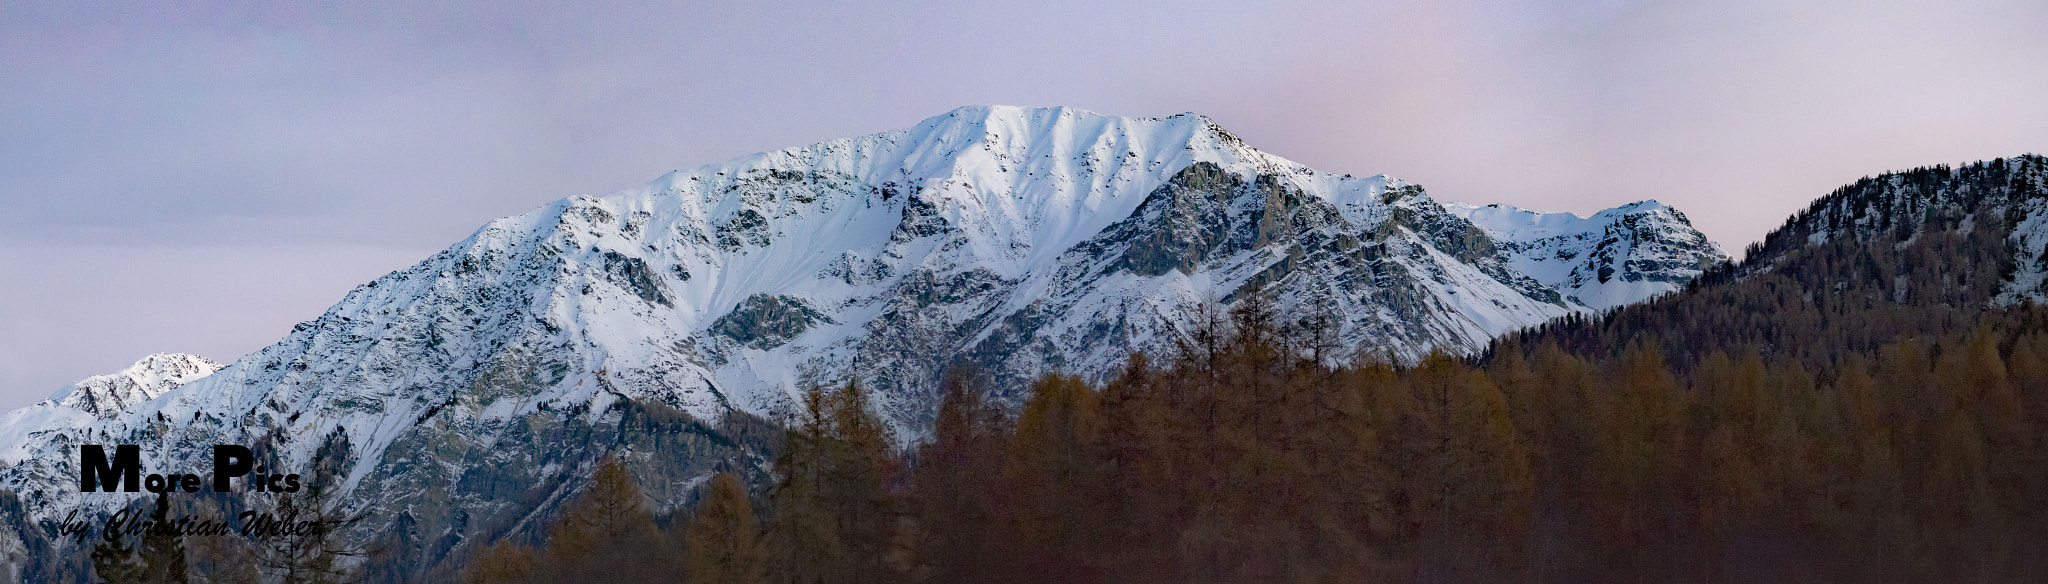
<point>1921,252</point>
<point>1915,462</point>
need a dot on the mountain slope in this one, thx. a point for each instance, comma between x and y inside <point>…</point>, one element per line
<point>1615,257</point>
<point>2005,198</point>
<point>468,390</point>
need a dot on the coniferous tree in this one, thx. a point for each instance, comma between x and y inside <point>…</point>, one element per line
<point>1471,481</point>
<point>229,559</point>
<point>805,540</point>
<point>163,551</point>
<point>114,561</point>
<point>1053,465</point>
<point>724,539</point>
<point>504,562</point>
<point>959,485</point>
<point>606,534</point>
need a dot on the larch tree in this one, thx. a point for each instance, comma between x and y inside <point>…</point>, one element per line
<point>607,533</point>
<point>504,562</point>
<point>1053,465</point>
<point>723,541</point>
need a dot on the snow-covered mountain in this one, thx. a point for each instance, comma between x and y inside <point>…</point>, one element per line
<point>1615,257</point>
<point>1024,240</point>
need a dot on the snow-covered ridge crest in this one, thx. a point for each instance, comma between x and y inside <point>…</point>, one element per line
<point>1026,183</point>
<point>110,394</point>
<point>1617,256</point>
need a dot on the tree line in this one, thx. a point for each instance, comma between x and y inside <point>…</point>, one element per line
<point>1245,460</point>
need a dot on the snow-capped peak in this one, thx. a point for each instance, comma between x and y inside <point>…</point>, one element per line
<point>1616,256</point>
<point>107,395</point>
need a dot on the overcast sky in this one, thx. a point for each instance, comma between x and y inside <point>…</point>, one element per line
<point>198,177</point>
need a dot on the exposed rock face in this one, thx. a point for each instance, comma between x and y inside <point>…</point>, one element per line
<point>470,390</point>
<point>765,322</point>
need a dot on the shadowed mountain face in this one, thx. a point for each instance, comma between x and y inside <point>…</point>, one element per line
<point>470,389</point>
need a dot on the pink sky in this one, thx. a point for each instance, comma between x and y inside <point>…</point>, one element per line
<point>199,178</point>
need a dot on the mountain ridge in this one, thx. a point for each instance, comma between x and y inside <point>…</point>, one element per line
<point>1596,259</point>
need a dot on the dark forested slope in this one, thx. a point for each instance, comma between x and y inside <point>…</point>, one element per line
<point>1920,252</point>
